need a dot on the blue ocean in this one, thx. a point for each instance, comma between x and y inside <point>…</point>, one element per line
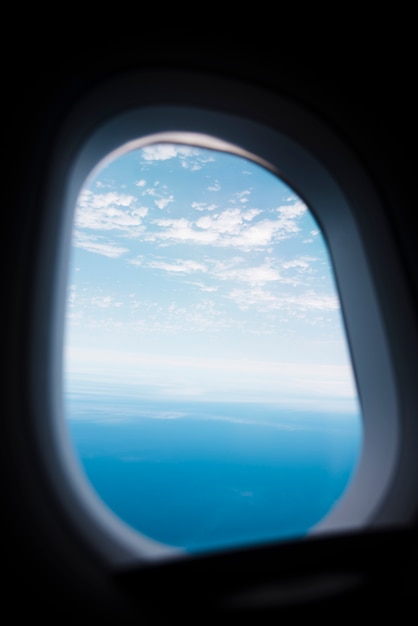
<point>207,476</point>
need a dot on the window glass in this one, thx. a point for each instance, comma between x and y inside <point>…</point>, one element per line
<point>208,388</point>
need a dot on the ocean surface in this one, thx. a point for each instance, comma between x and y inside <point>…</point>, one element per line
<point>207,476</point>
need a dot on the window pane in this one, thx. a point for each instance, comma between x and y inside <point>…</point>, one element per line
<point>208,387</point>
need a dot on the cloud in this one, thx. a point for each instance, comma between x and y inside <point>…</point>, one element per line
<point>150,191</point>
<point>290,211</point>
<point>194,167</point>
<point>191,158</point>
<point>73,317</point>
<point>300,267</point>
<point>139,260</point>
<point>204,206</point>
<point>281,380</point>
<point>267,301</point>
<point>230,228</point>
<point>313,235</point>
<point>180,230</point>
<point>313,301</point>
<point>71,295</point>
<point>241,196</point>
<point>105,302</point>
<point>179,266</point>
<point>162,202</point>
<point>298,263</point>
<point>90,243</point>
<point>203,287</point>
<point>256,275</point>
<point>108,211</point>
<point>163,415</point>
<point>165,151</point>
<point>227,222</point>
<point>245,298</point>
<point>262,234</point>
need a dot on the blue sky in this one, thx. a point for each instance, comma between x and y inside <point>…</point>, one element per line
<point>199,275</point>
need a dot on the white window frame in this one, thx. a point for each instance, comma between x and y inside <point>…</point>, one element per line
<point>309,156</point>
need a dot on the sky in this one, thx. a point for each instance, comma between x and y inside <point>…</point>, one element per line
<point>200,275</point>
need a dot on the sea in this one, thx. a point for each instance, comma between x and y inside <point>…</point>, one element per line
<point>206,476</point>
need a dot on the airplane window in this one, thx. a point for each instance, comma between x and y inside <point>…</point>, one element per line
<point>208,387</point>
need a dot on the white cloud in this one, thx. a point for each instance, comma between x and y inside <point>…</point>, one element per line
<point>137,261</point>
<point>91,244</point>
<point>179,266</point>
<point>162,202</point>
<point>74,317</point>
<point>108,211</point>
<point>245,298</point>
<point>150,191</point>
<point>71,295</point>
<point>267,301</point>
<point>190,158</point>
<point>290,211</point>
<point>256,236</point>
<point>194,167</point>
<point>164,151</point>
<point>163,415</point>
<point>180,230</point>
<point>313,235</point>
<point>313,301</point>
<point>241,196</point>
<point>258,275</point>
<point>230,228</point>
<point>141,183</point>
<point>229,221</point>
<point>204,206</point>
<point>203,287</point>
<point>105,302</point>
<point>299,264</point>
<point>284,380</point>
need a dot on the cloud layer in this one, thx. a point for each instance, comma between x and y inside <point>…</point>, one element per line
<point>187,249</point>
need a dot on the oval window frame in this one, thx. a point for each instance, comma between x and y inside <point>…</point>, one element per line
<point>331,182</point>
